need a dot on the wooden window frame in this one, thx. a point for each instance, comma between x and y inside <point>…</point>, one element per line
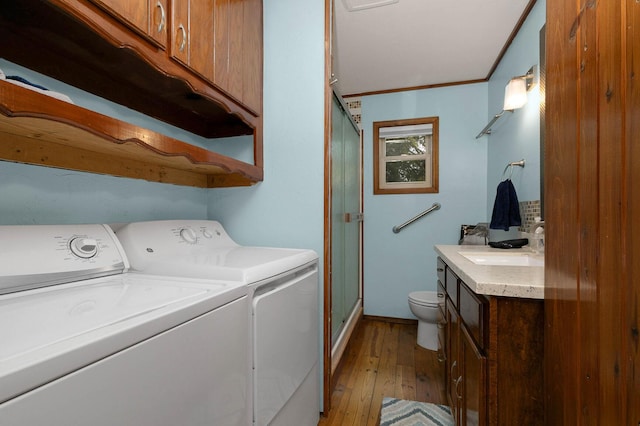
<point>405,188</point>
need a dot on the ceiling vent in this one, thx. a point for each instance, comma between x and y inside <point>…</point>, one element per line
<point>355,5</point>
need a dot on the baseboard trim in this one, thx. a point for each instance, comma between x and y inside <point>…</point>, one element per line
<point>390,319</point>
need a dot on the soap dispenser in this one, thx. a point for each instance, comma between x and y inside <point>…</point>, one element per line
<point>536,235</point>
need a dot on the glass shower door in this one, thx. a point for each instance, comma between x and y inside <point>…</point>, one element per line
<point>345,219</point>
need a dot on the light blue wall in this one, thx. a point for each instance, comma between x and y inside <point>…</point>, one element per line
<point>287,208</point>
<point>470,170</point>
<point>397,264</point>
<point>516,135</point>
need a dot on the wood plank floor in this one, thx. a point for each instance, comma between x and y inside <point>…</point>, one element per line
<point>382,359</point>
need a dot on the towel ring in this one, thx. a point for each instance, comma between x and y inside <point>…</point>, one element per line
<point>511,165</point>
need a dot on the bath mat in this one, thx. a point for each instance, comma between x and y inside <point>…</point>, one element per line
<point>401,412</point>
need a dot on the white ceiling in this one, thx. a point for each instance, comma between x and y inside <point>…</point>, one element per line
<point>419,42</point>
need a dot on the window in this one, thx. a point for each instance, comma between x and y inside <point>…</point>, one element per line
<point>405,156</point>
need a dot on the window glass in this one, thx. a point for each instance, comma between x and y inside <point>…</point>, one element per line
<point>405,156</point>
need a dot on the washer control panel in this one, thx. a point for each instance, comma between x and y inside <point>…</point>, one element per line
<point>37,255</point>
<point>151,241</point>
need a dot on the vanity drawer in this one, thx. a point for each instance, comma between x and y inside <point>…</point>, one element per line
<point>451,285</point>
<point>474,311</point>
<point>442,297</point>
<point>440,268</point>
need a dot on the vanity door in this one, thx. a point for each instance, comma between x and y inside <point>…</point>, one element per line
<point>473,407</point>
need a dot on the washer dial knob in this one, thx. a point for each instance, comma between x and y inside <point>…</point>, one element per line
<point>189,235</point>
<point>84,247</point>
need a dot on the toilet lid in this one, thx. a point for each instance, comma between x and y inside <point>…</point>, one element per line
<point>426,298</point>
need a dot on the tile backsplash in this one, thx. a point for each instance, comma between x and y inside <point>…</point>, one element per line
<point>355,109</point>
<point>529,210</point>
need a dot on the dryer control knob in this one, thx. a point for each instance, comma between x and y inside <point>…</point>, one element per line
<point>84,247</point>
<point>189,235</point>
<point>207,234</point>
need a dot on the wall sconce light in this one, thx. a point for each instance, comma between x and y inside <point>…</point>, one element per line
<point>515,96</point>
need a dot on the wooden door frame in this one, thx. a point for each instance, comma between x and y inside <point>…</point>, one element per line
<point>327,282</point>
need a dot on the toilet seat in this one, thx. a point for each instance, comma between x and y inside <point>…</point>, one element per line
<point>424,298</point>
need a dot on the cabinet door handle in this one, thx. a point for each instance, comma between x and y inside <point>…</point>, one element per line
<point>442,325</point>
<point>457,382</point>
<point>441,356</point>
<point>162,17</point>
<point>183,43</point>
<point>452,367</point>
<point>440,269</point>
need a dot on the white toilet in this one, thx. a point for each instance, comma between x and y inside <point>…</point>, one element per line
<point>424,305</point>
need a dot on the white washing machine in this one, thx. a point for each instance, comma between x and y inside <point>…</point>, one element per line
<point>283,286</point>
<point>83,342</point>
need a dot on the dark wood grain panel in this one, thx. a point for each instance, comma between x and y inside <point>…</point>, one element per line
<point>610,295</point>
<point>632,201</point>
<point>516,363</point>
<point>588,211</point>
<point>562,336</point>
<point>591,313</point>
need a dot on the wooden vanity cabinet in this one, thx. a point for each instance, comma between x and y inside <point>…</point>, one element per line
<point>493,350</point>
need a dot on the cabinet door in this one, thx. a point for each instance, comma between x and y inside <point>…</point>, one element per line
<point>454,371</point>
<point>201,48</point>
<point>158,21</point>
<point>238,50</point>
<point>180,31</point>
<point>473,406</point>
<point>442,332</point>
<point>148,17</point>
<point>192,40</point>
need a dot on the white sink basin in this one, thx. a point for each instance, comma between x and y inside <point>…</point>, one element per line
<point>503,259</point>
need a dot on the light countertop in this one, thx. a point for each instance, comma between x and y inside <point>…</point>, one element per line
<point>507,281</point>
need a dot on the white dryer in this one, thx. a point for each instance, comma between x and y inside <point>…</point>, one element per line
<point>283,286</point>
<point>83,342</point>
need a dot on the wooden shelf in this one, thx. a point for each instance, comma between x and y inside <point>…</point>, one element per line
<point>38,129</point>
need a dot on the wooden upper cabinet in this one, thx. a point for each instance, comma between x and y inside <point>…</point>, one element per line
<point>252,55</point>
<point>149,17</point>
<point>221,40</point>
<point>238,50</point>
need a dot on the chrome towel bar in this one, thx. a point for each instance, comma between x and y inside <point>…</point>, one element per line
<point>435,206</point>
<point>511,165</point>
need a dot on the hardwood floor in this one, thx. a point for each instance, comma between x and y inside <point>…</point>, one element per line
<point>381,360</point>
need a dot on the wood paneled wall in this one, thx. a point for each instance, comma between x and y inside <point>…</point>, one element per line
<point>592,202</point>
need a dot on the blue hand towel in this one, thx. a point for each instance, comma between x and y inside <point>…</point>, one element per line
<point>506,209</point>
